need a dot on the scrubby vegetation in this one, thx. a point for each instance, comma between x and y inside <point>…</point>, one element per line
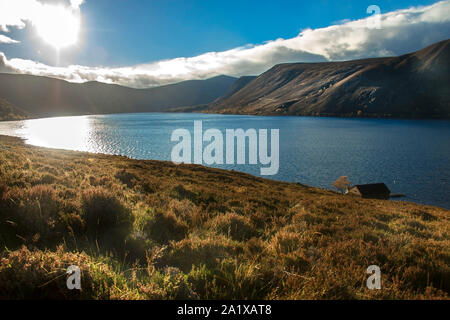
<point>155,230</point>
<point>10,112</point>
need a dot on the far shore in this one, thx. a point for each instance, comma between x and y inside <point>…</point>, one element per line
<point>244,114</point>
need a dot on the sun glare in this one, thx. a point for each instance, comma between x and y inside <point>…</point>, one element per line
<point>58,26</point>
<point>61,132</point>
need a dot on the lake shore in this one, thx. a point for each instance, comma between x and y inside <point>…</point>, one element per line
<point>323,148</point>
<point>146,229</point>
<point>193,110</point>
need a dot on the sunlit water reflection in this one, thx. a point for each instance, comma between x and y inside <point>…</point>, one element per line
<point>62,133</point>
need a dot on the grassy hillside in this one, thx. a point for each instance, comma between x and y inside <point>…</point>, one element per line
<point>413,85</point>
<point>9,112</point>
<point>47,97</point>
<point>155,230</point>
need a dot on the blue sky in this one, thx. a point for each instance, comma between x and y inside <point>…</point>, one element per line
<point>142,31</point>
<point>122,32</point>
<point>127,33</point>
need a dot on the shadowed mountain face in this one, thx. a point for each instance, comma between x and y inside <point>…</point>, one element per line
<point>412,85</point>
<point>42,96</point>
<point>238,85</point>
<point>10,112</point>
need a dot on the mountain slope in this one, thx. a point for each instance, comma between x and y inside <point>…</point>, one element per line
<point>43,96</point>
<point>412,85</point>
<point>238,85</point>
<point>10,112</point>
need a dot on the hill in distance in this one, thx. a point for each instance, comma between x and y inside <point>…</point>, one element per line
<point>11,112</point>
<point>237,85</point>
<point>411,85</point>
<point>45,97</point>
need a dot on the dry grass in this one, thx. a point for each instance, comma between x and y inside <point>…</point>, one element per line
<point>155,230</point>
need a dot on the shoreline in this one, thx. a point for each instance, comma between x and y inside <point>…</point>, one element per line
<point>350,117</point>
<point>394,197</point>
<point>405,197</point>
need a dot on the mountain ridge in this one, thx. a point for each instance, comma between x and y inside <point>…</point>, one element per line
<point>44,96</point>
<point>411,85</point>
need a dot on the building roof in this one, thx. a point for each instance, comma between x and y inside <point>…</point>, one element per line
<point>372,189</point>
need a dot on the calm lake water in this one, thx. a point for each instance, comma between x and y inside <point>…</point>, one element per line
<point>411,156</point>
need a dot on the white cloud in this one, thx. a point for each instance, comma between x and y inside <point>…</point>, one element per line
<point>15,13</point>
<point>5,39</point>
<point>402,31</point>
<point>57,24</point>
<point>76,3</point>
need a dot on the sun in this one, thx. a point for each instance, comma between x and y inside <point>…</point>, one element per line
<point>58,26</point>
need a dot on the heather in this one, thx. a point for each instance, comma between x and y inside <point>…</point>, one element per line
<point>156,230</point>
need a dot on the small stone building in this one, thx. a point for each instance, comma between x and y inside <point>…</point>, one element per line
<point>371,191</point>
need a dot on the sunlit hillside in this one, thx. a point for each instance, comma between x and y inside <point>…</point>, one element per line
<point>156,230</point>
